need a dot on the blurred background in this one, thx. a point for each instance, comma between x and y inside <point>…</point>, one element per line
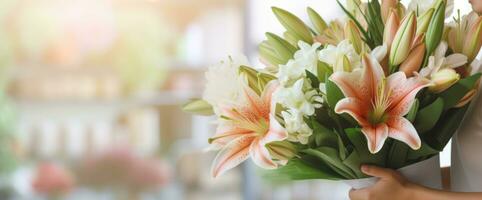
<point>90,96</point>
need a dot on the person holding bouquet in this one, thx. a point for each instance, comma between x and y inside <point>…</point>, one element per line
<point>466,164</point>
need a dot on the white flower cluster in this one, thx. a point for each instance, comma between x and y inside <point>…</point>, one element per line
<point>296,93</point>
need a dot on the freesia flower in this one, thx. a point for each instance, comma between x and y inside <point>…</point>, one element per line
<point>300,100</point>
<point>305,59</point>
<point>331,54</point>
<point>295,125</point>
<point>245,129</point>
<point>294,98</point>
<point>378,103</point>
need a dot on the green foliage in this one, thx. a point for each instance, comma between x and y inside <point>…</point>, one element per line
<point>428,116</point>
<point>374,36</point>
<point>333,93</point>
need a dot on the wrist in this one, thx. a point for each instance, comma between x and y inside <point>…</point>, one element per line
<point>413,191</point>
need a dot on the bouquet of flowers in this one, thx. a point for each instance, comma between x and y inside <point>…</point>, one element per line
<point>386,85</point>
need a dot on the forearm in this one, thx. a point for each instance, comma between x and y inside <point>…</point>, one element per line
<point>423,193</point>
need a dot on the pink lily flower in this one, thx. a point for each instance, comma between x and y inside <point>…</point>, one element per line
<point>245,130</point>
<point>378,103</point>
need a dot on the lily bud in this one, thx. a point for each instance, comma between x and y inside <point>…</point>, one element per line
<point>424,20</point>
<point>435,28</point>
<point>282,48</point>
<point>403,40</point>
<point>282,151</point>
<point>414,60</point>
<point>198,107</point>
<point>342,64</point>
<point>293,24</point>
<point>353,35</point>
<point>418,40</point>
<point>473,42</point>
<point>443,80</point>
<point>391,27</point>
<point>388,5</point>
<point>318,23</point>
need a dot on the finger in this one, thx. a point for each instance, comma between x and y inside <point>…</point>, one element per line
<point>377,171</point>
<point>361,194</point>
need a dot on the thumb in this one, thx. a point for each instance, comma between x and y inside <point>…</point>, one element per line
<point>379,172</point>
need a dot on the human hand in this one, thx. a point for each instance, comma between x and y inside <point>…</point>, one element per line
<point>392,185</point>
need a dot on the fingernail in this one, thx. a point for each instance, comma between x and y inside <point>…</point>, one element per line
<point>364,168</point>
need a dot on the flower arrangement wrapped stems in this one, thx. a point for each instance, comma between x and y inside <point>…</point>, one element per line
<point>385,85</point>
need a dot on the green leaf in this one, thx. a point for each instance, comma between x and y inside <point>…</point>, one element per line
<point>424,151</point>
<point>298,169</point>
<point>324,70</point>
<point>341,148</point>
<point>333,93</point>
<point>455,93</point>
<point>293,24</point>
<point>353,161</point>
<point>198,107</point>
<point>445,128</point>
<point>284,50</point>
<point>315,82</point>
<point>413,111</point>
<point>322,135</point>
<point>428,116</point>
<point>397,155</point>
<point>330,157</point>
<point>318,23</point>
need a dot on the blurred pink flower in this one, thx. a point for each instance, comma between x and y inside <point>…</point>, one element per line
<point>120,168</point>
<point>52,180</point>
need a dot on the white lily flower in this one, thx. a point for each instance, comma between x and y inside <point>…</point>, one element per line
<point>330,54</point>
<point>380,52</point>
<point>438,61</point>
<point>421,6</point>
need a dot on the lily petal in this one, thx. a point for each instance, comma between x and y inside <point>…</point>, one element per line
<point>349,83</point>
<point>372,74</point>
<point>260,155</point>
<point>455,60</point>
<point>226,133</point>
<point>401,129</point>
<point>354,107</point>
<point>376,137</point>
<point>403,92</point>
<point>232,155</point>
<point>276,131</point>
